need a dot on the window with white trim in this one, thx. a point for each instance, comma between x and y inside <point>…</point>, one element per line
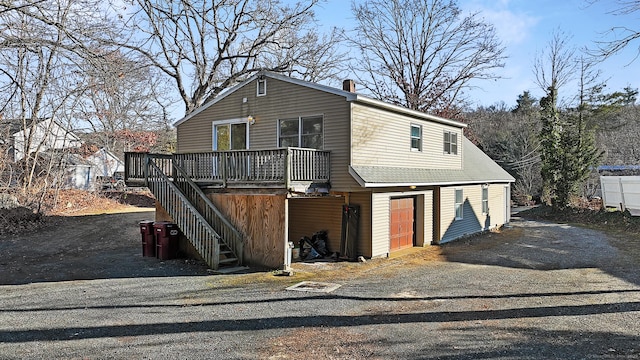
<point>416,137</point>
<point>450,143</point>
<point>305,132</point>
<point>485,199</point>
<point>459,204</point>
<point>230,135</point>
<point>261,87</point>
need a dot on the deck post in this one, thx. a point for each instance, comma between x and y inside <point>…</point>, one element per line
<point>223,161</point>
<point>287,172</point>
<point>286,265</point>
<point>145,169</point>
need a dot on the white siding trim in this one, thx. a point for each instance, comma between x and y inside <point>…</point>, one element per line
<point>380,219</point>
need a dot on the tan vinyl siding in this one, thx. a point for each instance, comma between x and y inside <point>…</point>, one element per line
<point>308,215</point>
<point>380,224</point>
<point>473,220</point>
<point>283,100</point>
<point>382,138</point>
<point>363,200</point>
<point>497,206</point>
<point>381,221</point>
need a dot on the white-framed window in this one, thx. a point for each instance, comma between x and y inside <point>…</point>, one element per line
<point>416,137</point>
<point>459,204</point>
<point>304,131</point>
<point>485,199</point>
<point>450,142</point>
<point>230,135</point>
<point>261,87</point>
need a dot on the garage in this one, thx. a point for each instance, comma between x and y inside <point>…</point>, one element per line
<point>401,223</point>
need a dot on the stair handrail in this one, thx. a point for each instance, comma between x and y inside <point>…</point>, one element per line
<point>229,235</point>
<point>209,252</point>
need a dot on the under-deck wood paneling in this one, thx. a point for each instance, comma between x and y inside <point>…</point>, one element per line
<point>260,218</point>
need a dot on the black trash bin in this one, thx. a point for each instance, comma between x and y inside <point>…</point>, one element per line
<point>166,240</point>
<point>148,238</point>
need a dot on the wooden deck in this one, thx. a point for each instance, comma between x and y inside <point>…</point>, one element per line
<point>295,169</point>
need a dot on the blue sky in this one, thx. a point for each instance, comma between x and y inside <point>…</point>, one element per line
<point>525,27</point>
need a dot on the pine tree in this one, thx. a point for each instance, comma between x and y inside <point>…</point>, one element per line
<point>568,151</point>
<point>550,145</point>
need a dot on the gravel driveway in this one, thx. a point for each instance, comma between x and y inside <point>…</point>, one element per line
<point>534,291</point>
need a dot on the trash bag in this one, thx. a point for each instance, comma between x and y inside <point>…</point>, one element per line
<point>313,254</point>
<point>319,242</point>
<point>305,247</point>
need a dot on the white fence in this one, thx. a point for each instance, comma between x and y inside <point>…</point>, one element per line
<point>622,192</point>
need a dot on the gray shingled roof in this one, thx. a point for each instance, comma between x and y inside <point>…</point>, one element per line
<point>477,168</point>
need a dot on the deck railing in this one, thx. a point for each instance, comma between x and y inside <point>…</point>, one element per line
<point>278,167</point>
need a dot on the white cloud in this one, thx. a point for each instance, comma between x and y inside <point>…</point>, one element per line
<point>512,27</point>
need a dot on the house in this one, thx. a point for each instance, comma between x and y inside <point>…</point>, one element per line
<point>54,142</point>
<point>106,163</point>
<point>43,135</point>
<point>90,172</point>
<point>278,158</point>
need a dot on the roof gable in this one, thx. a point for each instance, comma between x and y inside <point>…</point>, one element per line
<point>349,96</point>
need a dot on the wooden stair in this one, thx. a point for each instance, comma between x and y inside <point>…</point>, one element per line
<point>211,234</point>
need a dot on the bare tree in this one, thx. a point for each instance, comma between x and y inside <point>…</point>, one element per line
<point>422,54</point>
<point>555,66</point>
<point>511,138</point>
<point>204,47</point>
<point>41,43</point>
<point>623,35</point>
<point>121,94</point>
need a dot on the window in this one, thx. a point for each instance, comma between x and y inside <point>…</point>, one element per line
<point>306,132</point>
<point>289,133</point>
<point>450,143</point>
<point>261,89</point>
<point>230,136</point>
<point>459,204</point>
<point>416,137</point>
<point>485,199</point>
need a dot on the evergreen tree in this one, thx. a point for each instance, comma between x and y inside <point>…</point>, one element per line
<point>526,104</point>
<point>568,151</point>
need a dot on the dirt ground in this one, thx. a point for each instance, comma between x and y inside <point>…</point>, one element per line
<point>86,236</point>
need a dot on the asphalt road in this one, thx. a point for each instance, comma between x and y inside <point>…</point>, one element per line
<point>535,291</point>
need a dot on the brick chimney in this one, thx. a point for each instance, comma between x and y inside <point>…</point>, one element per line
<point>349,85</point>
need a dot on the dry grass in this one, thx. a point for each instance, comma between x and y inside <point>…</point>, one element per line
<point>338,271</point>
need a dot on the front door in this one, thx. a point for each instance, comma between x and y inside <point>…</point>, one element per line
<point>401,223</point>
<point>230,136</point>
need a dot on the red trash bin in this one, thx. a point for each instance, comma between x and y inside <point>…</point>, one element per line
<point>166,240</point>
<point>148,238</point>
